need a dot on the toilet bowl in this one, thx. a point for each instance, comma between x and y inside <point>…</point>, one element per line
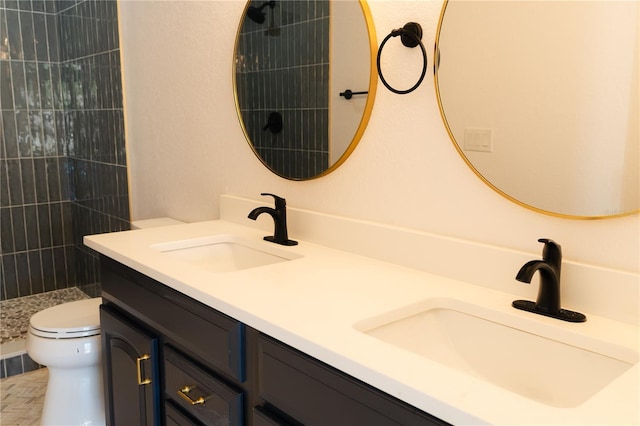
<point>66,339</point>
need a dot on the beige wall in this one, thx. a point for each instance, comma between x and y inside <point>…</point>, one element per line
<point>186,146</point>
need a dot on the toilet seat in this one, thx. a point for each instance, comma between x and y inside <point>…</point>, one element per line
<point>68,320</point>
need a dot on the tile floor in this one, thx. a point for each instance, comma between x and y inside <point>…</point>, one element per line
<point>22,398</point>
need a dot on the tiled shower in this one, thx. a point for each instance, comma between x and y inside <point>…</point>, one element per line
<point>63,166</point>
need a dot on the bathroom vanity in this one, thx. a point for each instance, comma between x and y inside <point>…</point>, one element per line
<point>170,357</point>
<point>317,334</point>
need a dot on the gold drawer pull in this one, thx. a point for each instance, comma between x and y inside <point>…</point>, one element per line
<point>184,393</point>
<point>142,381</point>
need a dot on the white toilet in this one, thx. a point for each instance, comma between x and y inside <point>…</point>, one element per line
<point>66,339</point>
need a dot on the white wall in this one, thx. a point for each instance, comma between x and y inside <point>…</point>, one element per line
<point>186,147</point>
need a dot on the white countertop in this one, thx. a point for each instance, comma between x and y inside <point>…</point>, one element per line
<point>312,304</point>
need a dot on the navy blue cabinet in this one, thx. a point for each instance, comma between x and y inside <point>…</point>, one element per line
<point>131,377</point>
<point>206,368</point>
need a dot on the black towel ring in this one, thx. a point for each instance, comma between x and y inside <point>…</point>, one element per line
<point>411,36</point>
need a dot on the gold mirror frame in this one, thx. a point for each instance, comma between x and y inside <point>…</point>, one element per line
<point>368,107</point>
<point>473,167</point>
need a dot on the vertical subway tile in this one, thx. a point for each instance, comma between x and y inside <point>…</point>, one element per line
<point>80,127</point>
<point>57,224</point>
<point>35,272</point>
<point>6,239</point>
<point>67,223</point>
<point>49,133</point>
<point>14,35</point>
<point>52,37</point>
<point>60,267</point>
<point>19,85</point>
<point>112,19</point>
<point>40,37</point>
<point>44,225</point>
<point>40,172</point>
<point>56,86</point>
<point>10,275</point>
<point>15,185</point>
<point>63,172</point>
<point>31,227</point>
<point>4,184</point>
<point>65,85</point>
<point>32,85</point>
<point>70,267</point>
<point>10,134</point>
<point>28,364</point>
<point>23,133</point>
<point>53,181</point>
<point>28,181</point>
<point>6,85</point>
<point>116,85</point>
<point>46,93</point>
<point>26,29</point>
<point>22,274</point>
<point>37,133</point>
<point>48,270</point>
<point>4,35</point>
<point>61,134</point>
<point>13,366</point>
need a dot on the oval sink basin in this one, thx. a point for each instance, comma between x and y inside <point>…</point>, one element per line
<point>560,369</point>
<point>224,253</point>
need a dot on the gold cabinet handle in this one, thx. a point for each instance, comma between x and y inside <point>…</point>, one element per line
<point>141,380</point>
<point>184,393</point>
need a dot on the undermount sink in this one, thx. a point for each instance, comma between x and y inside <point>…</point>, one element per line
<point>224,253</point>
<point>537,361</point>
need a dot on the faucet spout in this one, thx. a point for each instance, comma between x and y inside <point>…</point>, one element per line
<point>549,290</point>
<point>279,215</point>
<point>548,301</point>
<point>253,214</point>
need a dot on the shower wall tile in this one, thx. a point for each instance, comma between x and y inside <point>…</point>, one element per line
<point>62,125</point>
<point>93,121</point>
<point>6,84</point>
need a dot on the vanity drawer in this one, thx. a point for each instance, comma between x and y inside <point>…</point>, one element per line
<point>211,337</point>
<point>175,417</point>
<point>199,393</point>
<point>314,393</point>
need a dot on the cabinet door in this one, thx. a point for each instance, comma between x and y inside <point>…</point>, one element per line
<point>314,393</point>
<point>130,357</point>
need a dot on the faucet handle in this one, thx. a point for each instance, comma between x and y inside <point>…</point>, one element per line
<point>279,201</point>
<point>552,251</point>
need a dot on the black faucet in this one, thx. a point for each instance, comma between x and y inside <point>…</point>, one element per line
<point>548,302</point>
<point>279,215</point>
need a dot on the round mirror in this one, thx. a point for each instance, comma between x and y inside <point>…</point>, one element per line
<point>304,82</point>
<point>541,100</point>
